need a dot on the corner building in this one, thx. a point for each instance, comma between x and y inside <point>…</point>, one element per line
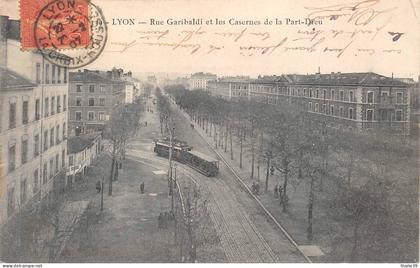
<point>33,124</point>
<point>92,97</point>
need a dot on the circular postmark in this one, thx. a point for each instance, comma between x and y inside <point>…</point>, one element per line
<point>70,33</point>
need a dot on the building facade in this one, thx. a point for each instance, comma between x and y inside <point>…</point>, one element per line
<point>92,97</point>
<point>359,101</point>
<point>200,80</point>
<point>133,87</point>
<point>230,88</point>
<point>33,123</point>
<point>82,151</point>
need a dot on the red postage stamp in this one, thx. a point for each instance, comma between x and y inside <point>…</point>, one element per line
<point>54,24</point>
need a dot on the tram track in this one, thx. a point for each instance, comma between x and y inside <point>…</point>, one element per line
<point>248,190</point>
<point>239,236</point>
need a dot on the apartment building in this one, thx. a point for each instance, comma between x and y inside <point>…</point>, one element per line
<point>33,123</point>
<point>92,97</point>
<point>200,80</point>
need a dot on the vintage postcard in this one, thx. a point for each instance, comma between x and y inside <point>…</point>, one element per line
<point>209,131</point>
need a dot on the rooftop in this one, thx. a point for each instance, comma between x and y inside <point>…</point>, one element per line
<point>12,80</point>
<point>77,144</point>
<point>203,75</point>
<point>94,76</point>
<point>362,79</point>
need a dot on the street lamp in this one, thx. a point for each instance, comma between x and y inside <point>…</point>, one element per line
<point>173,184</point>
<point>170,161</point>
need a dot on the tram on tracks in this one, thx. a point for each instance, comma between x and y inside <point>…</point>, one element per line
<point>184,154</point>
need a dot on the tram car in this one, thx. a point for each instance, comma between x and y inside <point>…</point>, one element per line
<point>183,153</point>
<point>162,147</point>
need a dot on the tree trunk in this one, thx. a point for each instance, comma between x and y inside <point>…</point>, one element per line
<point>300,164</point>
<point>116,171</point>
<point>226,136</point>
<point>238,130</point>
<point>286,178</point>
<point>252,156</point>
<point>310,210</point>
<point>267,175</point>
<point>211,127</point>
<point>215,135</point>
<point>161,127</point>
<point>112,170</point>
<point>241,149</point>
<point>231,143</point>
<point>220,134</point>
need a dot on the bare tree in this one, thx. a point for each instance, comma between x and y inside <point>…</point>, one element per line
<point>123,124</point>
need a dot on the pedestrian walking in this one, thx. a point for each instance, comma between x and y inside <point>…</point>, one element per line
<point>276,191</point>
<point>160,220</point>
<point>98,187</point>
<point>281,193</point>
<point>142,187</point>
<point>253,187</point>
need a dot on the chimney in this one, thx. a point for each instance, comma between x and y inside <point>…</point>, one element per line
<point>4,30</point>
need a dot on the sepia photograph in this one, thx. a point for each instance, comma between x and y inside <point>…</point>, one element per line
<point>209,131</point>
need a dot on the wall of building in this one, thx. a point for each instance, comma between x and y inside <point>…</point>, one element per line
<point>106,95</point>
<point>129,93</point>
<point>79,160</point>
<point>54,155</point>
<point>345,106</point>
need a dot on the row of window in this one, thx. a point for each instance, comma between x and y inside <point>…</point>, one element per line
<point>91,88</point>
<point>54,107</point>
<point>91,101</point>
<point>332,94</point>
<point>351,114</point>
<point>12,113</point>
<point>72,160</point>
<point>51,138</point>
<point>91,116</point>
<point>54,168</point>
<point>54,74</point>
<point>51,109</point>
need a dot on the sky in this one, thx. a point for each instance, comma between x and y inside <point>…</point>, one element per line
<point>218,51</point>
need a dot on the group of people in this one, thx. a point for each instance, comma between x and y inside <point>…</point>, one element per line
<point>279,193</point>
<point>164,218</point>
<point>255,188</point>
